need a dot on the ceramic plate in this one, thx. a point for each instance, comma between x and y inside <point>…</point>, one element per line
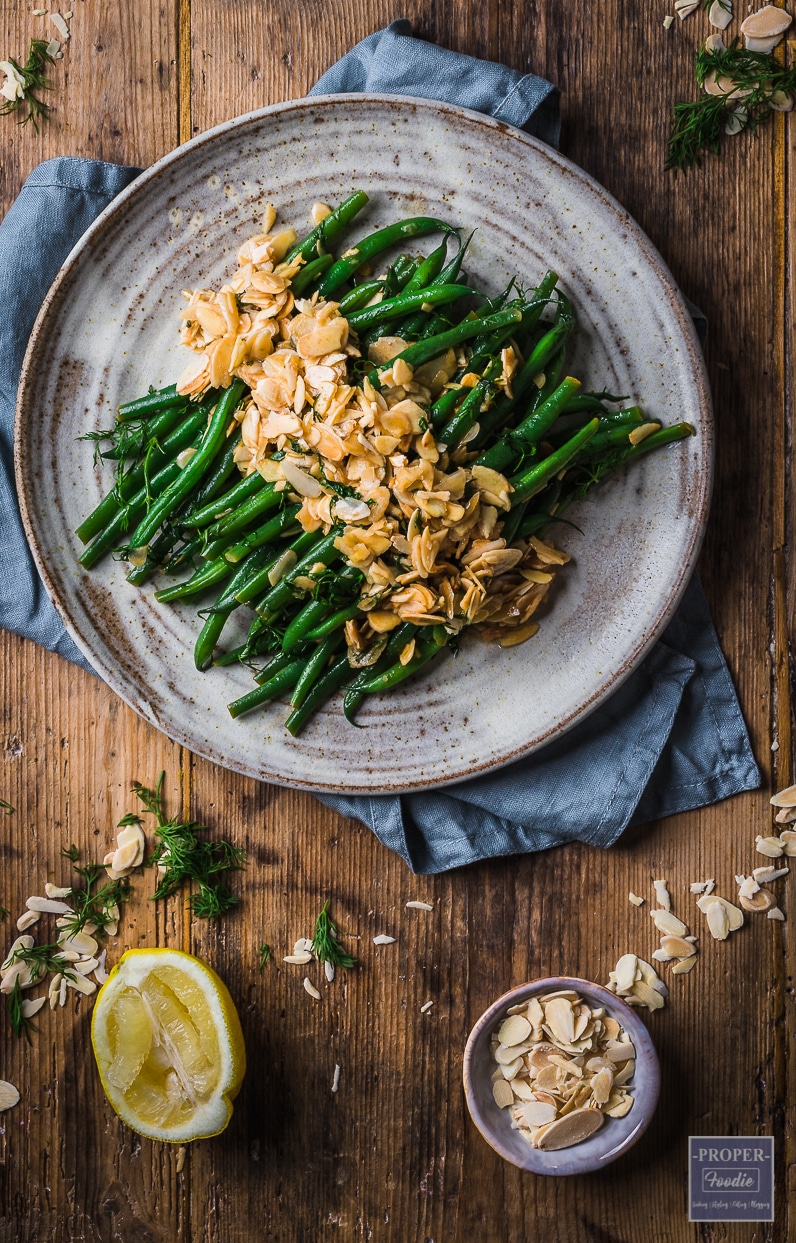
<point>109,329</point>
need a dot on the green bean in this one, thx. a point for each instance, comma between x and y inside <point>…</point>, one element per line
<point>424,351</point>
<point>133,479</point>
<point>212,440</point>
<point>309,274</point>
<point>132,442</point>
<point>330,227</point>
<point>339,673</point>
<point>396,643</point>
<point>335,621</point>
<point>428,269</point>
<point>532,480</point>
<point>397,673</point>
<point>374,244</point>
<point>136,506</point>
<point>280,660</point>
<point>264,500</point>
<point>151,403</point>
<point>545,349</point>
<point>466,415</point>
<point>314,668</point>
<point>223,566</point>
<point>323,550</point>
<point>227,503</point>
<point>306,542</point>
<point>283,680</point>
<point>531,430</point>
<point>307,617</point>
<point>225,605</point>
<point>360,294</point>
<point>223,467</point>
<point>391,308</point>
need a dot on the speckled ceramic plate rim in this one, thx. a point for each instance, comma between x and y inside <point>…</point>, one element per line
<point>571,1160</point>
<point>695,363</point>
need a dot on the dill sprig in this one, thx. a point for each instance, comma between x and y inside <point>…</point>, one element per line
<point>183,856</point>
<point>42,960</point>
<point>7,808</point>
<point>99,907</point>
<point>264,953</point>
<point>3,913</point>
<point>34,78</point>
<point>697,127</point>
<point>325,944</point>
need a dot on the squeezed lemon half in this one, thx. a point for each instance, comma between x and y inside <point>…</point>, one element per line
<point>169,1045</point>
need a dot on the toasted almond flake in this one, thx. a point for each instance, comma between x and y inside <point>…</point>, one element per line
<point>635,899</point>
<point>573,1129</point>
<point>538,1113</point>
<point>766,23</point>
<point>298,960</point>
<point>683,965</point>
<point>383,939</point>
<point>786,815</point>
<point>502,1093</point>
<point>310,988</point>
<point>28,920</point>
<point>677,947</point>
<point>775,913</point>
<point>319,212</point>
<point>185,455</point>
<point>31,1007</point>
<point>784,798</point>
<point>419,906</point>
<point>9,1095</point>
<point>625,971</point>
<point>623,1106</point>
<point>426,1007</point>
<point>57,891</point>
<point>49,906</point>
<point>513,1030</point>
<point>761,900</point>
<point>81,984</point>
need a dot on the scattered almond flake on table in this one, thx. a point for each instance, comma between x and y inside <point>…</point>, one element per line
<point>635,899</point>
<point>775,913</point>
<point>9,1095</point>
<point>336,1077</point>
<point>328,968</point>
<point>419,906</point>
<point>60,25</point>
<point>53,47</point>
<point>667,21</point>
<point>310,988</point>
<point>32,1006</point>
<point>298,960</point>
<point>662,894</point>
<point>383,939</point>
<point>426,1006</point>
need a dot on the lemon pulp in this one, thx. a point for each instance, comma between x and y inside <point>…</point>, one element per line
<point>168,1045</point>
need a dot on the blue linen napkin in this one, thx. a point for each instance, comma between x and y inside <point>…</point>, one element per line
<point>670,739</point>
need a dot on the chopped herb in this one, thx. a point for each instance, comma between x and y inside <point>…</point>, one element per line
<point>100,907</point>
<point>3,913</point>
<point>185,856</point>
<point>265,956</point>
<point>7,808</point>
<point>341,489</point>
<point>42,959</point>
<point>422,424</point>
<point>20,1023</point>
<point>697,127</point>
<point>30,78</point>
<point>325,945</point>
<point>71,852</point>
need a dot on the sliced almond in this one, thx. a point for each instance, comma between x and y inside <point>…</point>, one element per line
<point>720,14</point>
<point>523,1090</point>
<point>763,900</point>
<point>765,24</point>
<point>502,1093</point>
<point>57,891</point>
<point>81,984</point>
<point>30,1007</point>
<point>509,1053</point>
<point>9,1095</point>
<point>573,1129</point>
<point>514,1030</point>
<point>683,966</point>
<point>540,1054</point>
<point>785,815</point>
<point>28,920</point>
<point>49,906</point>
<point>772,847</point>
<point>766,874</point>
<point>775,913</point>
<point>667,923</point>
<point>788,841</point>
<point>677,947</point>
<point>298,960</point>
<point>601,1085</point>
<point>621,1052</point>
<point>662,895</point>
<point>625,971</point>
<point>650,997</point>
<point>538,1113</point>
<point>625,1073</point>
<point>310,988</point>
<point>510,1070</point>
<point>559,1018</point>
<point>718,923</point>
<point>623,1106</point>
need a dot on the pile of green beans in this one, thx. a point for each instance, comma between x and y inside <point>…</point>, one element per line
<point>178,503</point>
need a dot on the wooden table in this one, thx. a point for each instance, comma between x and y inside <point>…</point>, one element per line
<point>393,1155</point>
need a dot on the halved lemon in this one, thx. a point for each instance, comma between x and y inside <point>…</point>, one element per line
<point>169,1045</point>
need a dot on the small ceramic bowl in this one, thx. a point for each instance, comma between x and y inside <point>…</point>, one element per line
<point>614,1137</point>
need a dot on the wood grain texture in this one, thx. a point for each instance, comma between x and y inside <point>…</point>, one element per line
<point>392,1156</point>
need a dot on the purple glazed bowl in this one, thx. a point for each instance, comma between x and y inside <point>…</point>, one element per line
<point>615,1137</point>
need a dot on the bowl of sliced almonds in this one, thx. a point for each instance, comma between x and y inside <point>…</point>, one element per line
<point>561,1076</point>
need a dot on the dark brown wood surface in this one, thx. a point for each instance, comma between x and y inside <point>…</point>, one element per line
<point>393,1156</point>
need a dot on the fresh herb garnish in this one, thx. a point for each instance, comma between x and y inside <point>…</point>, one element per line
<point>760,84</point>
<point>3,913</point>
<point>29,78</point>
<point>42,960</point>
<point>341,489</point>
<point>71,852</point>
<point>183,855</point>
<point>100,907</point>
<point>265,956</point>
<point>325,945</point>
<point>7,808</point>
